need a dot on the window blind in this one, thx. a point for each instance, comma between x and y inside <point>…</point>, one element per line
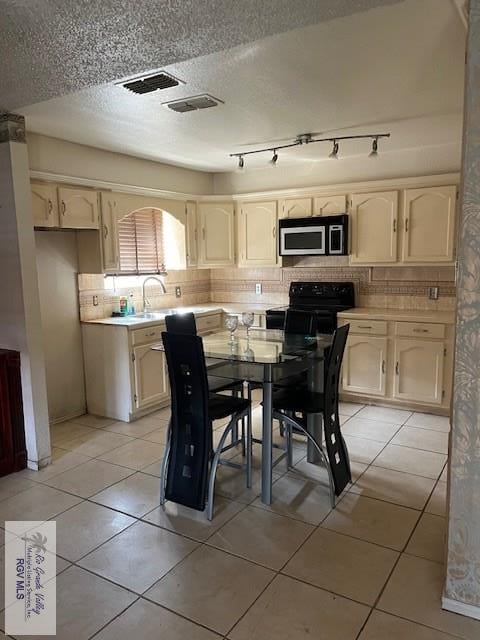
<point>141,242</point>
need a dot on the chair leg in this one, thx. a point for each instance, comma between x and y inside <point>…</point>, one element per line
<point>293,423</point>
<point>249,447</point>
<point>288,432</point>
<point>163,474</point>
<point>235,394</point>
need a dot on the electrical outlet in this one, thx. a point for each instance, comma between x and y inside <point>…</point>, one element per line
<point>178,292</point>
<point>95,301</point>
<point>433,293</point>
<point>258,288</point>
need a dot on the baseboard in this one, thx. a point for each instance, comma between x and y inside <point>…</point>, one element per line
<point>462,608</point>
<point>71,416</point>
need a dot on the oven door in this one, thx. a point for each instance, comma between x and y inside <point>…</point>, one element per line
<point>303,241</point>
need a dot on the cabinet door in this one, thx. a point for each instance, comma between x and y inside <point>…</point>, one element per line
<point>109,233</point>
<point>429,224</point>
<point>216,238</point>
<point>44,205</point>
<point>374,227</point>
<point>78,208</point>
<point>419,370</point>
<point>150,376</point>
<point>329,205</point>
<point>364,365</point>
<point>257,237</point>
<point>296,208</point>
<point>191,234</point>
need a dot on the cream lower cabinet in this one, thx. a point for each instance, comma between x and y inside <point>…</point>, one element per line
<point>407,363</point>
<point>257,234</point>
<point>150,376</point>
<point>216,241</point>
<point>364,365</point>
<point>419,366</point>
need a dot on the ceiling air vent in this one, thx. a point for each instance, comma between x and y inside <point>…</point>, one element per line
<point>193,104</point>
<point>147,84</point>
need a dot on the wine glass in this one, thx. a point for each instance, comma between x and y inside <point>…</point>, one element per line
<point>231,322</point>
<point>247,320</point>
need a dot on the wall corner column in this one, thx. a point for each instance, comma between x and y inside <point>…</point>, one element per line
<point>20,320</point>
<point>462,585</point>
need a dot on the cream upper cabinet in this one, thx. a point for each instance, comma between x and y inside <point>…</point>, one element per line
<point>78,208</point>
<point>329,205</point>
<point>295,207</point>
<point>44,205</point>
<point>374,220</point>
<point>191,234</point>
<point>364,365</point>
<point>429,224</point>
<point>109,233</point>
<point>257,234</point>
<point>216,242</point>
<point>150,376</point>
<point>419,370</point>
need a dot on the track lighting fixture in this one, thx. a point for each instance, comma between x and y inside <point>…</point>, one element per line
<point>307,138</point>
<point>334,153</point>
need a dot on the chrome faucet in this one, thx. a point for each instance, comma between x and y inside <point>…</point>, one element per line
<point>146,302</point>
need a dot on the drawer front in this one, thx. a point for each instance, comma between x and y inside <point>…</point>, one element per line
<point>206,324</point>
<point>374,327</point>
<point>420,330</point>
<point>149,334</point>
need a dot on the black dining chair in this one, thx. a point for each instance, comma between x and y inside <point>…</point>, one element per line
<point>292,406</point>
<point>184,323</point>
<point>190,461</point>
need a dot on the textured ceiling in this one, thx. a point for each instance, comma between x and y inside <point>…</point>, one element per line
<point>397,68</point>
<point>51,48</point>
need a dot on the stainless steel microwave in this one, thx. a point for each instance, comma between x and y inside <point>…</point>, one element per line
<point>319,236</point>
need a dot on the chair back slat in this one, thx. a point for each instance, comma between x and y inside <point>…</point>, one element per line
<point>337,453</point>
<point>181,323</point>
<point>299,322</point>
<point>190,429</point>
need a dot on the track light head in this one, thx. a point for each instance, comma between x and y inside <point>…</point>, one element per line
<point>241,162</point>
<point>274,159</point>
<point>334,152</point>
<point>374,152</point>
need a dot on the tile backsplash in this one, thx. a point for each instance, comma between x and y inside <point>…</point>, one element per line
<point>386,287</point>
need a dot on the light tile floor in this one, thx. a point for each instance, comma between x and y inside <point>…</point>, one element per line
<point>370,570</point>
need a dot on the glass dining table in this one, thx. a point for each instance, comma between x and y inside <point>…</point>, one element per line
<point>267,356</point>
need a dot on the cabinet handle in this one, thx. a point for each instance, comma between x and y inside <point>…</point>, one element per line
<point>397,368</point>
<point>274,231</point>
<point>105,231</point>
<point>383,366</point>
<point>203,233</point>
<point>364,326</point>
<point>64,208</point>
<point>50,207</point>
<point>421,331</point>
<point>394,226</point>
<point>406,225</point>
<point>149,335</point>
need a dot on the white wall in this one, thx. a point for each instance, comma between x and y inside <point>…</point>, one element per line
<point>57,265</point>
<point>67,158</point>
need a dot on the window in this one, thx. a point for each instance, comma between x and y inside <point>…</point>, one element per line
<point>141,242</point>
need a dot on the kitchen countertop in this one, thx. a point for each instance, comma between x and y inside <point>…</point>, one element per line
<point>198,310</point>
<point>405,315</point>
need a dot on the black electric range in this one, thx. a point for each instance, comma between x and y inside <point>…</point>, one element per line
<point>324,299</point>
